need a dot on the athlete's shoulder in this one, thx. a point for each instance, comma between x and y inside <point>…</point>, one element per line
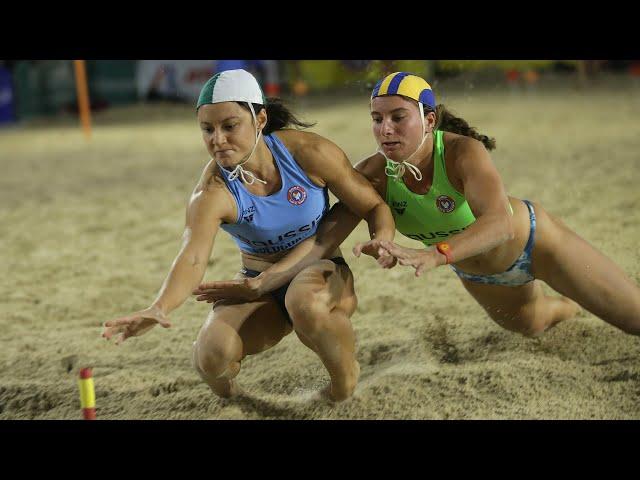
<point>457,145</point>
<point>316,154</point>
<point>372,165</point>
<point>465,156</point>
<point>372,168</point>
<point>211,180</point>
<point>300,142</point>
<point>211,194</point>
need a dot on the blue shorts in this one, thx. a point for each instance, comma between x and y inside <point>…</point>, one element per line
<point>517,274</point>
<point>279,293</point>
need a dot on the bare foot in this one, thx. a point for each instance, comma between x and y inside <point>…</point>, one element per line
<point>339,391</point>
<point>568,309</point>
<point>571,308</point>
<point>226,388</point>
<point>577,309</point>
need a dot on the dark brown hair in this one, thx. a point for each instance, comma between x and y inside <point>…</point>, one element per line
<point>446,120</point>
<point>278,116</point>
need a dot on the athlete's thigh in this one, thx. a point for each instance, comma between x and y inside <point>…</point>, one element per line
<point>331,283</point>
<point>504,304</point>
<point>260,324</point>
<point>573,267</point>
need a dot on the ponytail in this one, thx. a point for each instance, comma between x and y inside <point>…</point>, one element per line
<point>445,120</point>
<point>278,116</point>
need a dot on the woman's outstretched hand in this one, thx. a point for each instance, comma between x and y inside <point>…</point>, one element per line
<point>419,258</point>
<point>135,324</point>
<point>374,249</point>
<point>244,289</point>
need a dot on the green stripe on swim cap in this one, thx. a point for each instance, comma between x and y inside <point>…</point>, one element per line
<point>231,86</point>
<point>206,93</point>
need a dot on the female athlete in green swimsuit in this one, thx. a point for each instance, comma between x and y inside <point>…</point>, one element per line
<point>436,174</point>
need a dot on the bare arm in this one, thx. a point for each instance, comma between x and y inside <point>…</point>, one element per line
<point>352,188</point>
<point>207,206</point>
<point>333,229</point>
<point>484,191</point>
<point>488,201</point>
<point>203,219</point>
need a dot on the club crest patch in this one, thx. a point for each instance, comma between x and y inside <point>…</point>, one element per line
<point>297,195</point>
<point>445,204</point>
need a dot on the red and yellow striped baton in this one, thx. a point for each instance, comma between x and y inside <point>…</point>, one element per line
<point>87,394</point>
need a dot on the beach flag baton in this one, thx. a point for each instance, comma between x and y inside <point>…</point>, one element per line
<point>87,394</point>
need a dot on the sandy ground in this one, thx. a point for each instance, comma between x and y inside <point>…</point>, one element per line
<point>89,230</point>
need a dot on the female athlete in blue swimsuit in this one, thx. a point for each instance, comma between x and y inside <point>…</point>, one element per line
<point>267,186</point>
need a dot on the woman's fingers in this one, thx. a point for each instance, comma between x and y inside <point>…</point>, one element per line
<point>220,294</point>
<point>234,289</point>
<point>109,332</point>
<point>385,260</point>
<point>164,323</point>
<point>121,321</point>
<point>133,331</point>
<point>405,261</point>
<point>204,286</point>
<point>368,248</point>
<point>217,285</point>
<point>120,338</point>
<point>210,298</point>
<point>124,328</point>
<point>395,250</point>
<point>208,291</point>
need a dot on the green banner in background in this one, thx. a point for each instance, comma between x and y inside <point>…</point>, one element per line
<point>335,74</point>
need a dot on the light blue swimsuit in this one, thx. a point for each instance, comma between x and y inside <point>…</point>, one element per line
<point>277,222</point>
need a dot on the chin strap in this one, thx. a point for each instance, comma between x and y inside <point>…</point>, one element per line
<point>397,169</point>
<point>247,177</point>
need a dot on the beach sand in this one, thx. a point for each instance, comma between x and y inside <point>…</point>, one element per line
<point>90,230</point>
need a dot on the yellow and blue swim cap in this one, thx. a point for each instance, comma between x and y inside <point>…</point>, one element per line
<point>407,85</point>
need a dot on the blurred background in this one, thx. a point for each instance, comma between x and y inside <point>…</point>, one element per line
<point>31,89</point>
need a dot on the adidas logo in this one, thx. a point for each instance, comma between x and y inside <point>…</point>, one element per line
<point>249,218</point>
<point>400,210</point>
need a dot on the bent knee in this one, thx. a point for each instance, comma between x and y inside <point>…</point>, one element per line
<point>214,356</point>
<point>308,310</point>
<point>631,321</point>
